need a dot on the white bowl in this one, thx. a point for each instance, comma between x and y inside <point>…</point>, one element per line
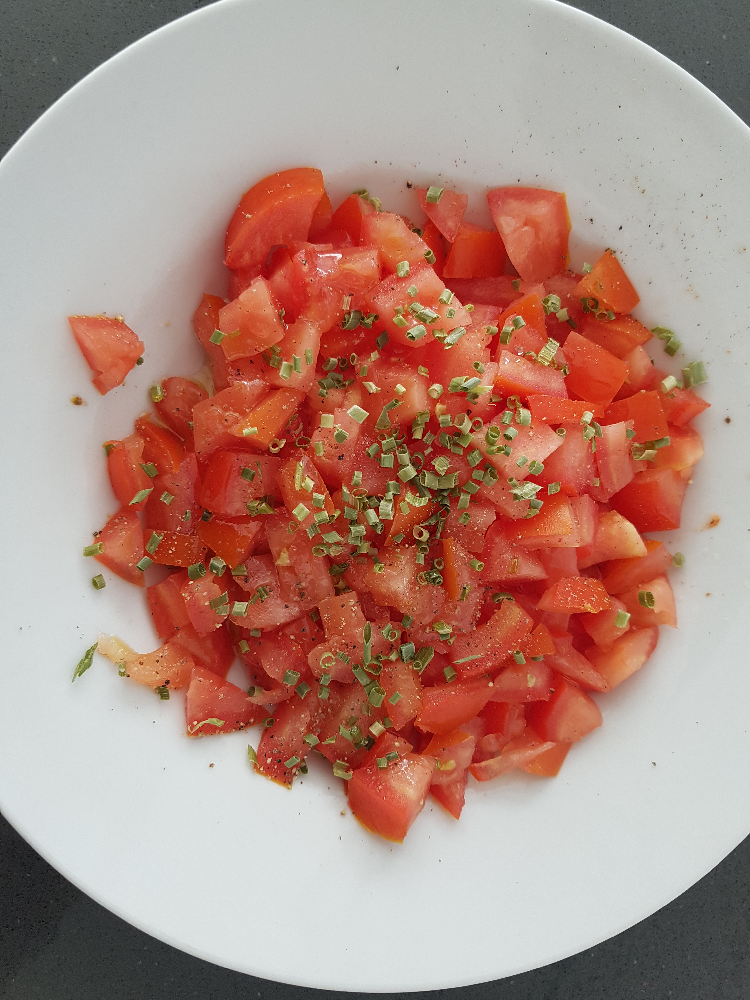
<point>117,201</point>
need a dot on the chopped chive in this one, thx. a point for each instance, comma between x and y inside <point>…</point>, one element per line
<point>249,431</point>
<point>553,488</point>
<point>518,656</point>
<point>239,609</point>
<point>157,393</point>
<point>153,543</point>
<point>292,762</point>
<point>94,550</point>
<point>166,498</point>
<point>196,571</point>
<point>449,673</point>
<point>358,414</point>
<point>622,618</point>
<point>98,582</point>
<point>341,770</point>
<point>301,512</point>
<point>434,194</point>
<point>144,564</point>
<point>85,662</point>
<point>217,336</point>
<point>402,268</point>
<point>251,755</point>
<point>646,599</point>
<point>150,469</point>
<point>381,340</point>
<point>694,374</point>
<point>678,559</point>
<point>140,495</point>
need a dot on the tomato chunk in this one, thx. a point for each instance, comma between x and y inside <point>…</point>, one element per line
<point>110,348</point>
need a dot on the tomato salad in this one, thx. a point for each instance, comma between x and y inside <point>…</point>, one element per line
<point>411,498</point>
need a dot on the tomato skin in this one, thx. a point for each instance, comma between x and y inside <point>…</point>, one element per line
<point>653,500</point>
<point>549,762</point>
<point>476,253</point>
<point>122,538</point>
<point>110,348</point>
<point>279,209</point>
<point>446,707</point>
<point>387,801</point>
<point>447,213</point>
<point>534,225</point>
<point>226,492</point>
<point>126,472</point>
<point>625,655</point>
<point>520,751</point>
<point>167,605</point>
<point>618,336</point>
<point>211,697</point>
<point>575,594</point>
<point>594,374</point>
<point>568,716</point>
<point>169,665</point>
<point>646,412</point>
<point>176,408</point>
<point>205,321</point>
<point>609,285</point>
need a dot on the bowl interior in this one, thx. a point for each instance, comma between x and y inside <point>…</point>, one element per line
<point>116,201</point>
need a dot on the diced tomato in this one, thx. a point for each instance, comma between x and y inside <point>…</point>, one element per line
<point>394,239</point>
<point>568,716</point>
<point>126,473</point>
<point>160,446</point>
<point>231,479</point>
<point>616,538</point>
<point>173,504</point>
<point>169,666</point>
<point>175,407</point>
<point>388,800</point>
<point>518,752</point>
<point>555,410</point>
<point>446,213</point>
<point>446,707</point>
<point>348,216</point>
<point>682,405</point>
<point>575,594</point>
<point>110,348</point>
<point>121,539</point>
<point>646,412</point>
<point>638,603</point>
<point>548,763</point>
<point>685,449</point>
<point>609,285</point>
<point>251,322</point>
<point>623,573</point>
<point>341,614</point>
<point>267,419</point>
<point>167,605</point>
<point>205,322</point>
<point>534,225</point>
<point>168,548</point>
<point>489,644</point>
<point>490,291</point>
<point>282,749</point>
<point>214,705</point>
<point>626,655</point>
<point>520,683</point>
<point>232,541</point>
<point>602,626</point>
<point>522,377</point>
<point>653,500</point>
<point>213,652</point>
<point>434,240</point>
<point>566,660</point>
<point>618,336</point>
<point>279,209</point>
<point>594,373</point>
<point>476,253</point>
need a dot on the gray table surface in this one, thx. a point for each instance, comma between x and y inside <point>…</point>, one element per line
<point>55,942</point>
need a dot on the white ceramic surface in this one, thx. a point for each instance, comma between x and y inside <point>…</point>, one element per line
<point>116,200</point>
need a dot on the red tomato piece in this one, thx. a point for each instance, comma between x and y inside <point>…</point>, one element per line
<point>110,348</point>
<point>519,376</point>
<point>121,539</point>
<point>601,626</point>
<point>625,655</point>
<point>653,500</point>
<point>534,225</point>
<point>575,594</point>
<point>609,285</point>
<point>446,213</point>
<point>213,652</point>
<point>160,446</point>
<point>684,450</point>
<point>622,573</point>
<point>682,405</point>
<point>452,753</point>
<point>618,336</point>
<point>251,322</point>
<point>646,412</point>
<point>167,605</point>
<point>489,291</point>
<point>205,322</point>
<point>554,410</point>
<point>230,540</point>
<point>434,240</point>
<point>548,763</point>
<point>278,209</point>
<point>341,614</point>
<point>231,479</point>
<point>476,253</point>
<point>126,474</point>
<point>446,707</point>
<point>489,644</point>
<point>172,549</point>
<point>348,216</point>
<point>282,748</point>
<point>613,459</point>
<point>568,716</point>
<point>394,239</point>
<point>452,794</point>
<point>520,683</point>
<point>663,611</point>
<point>267,419</point>
<point>198,595</point>
<point>175,407</point>
<point>182,512</point>
<point>566,660</point>
<point>214,705</point>
<point>387,800</point>
<point>594,373</point>
<point>168,666</point>
<point>518,752</point>
<point>616,538</point>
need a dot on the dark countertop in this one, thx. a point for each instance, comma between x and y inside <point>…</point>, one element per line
<point>56,943</point>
